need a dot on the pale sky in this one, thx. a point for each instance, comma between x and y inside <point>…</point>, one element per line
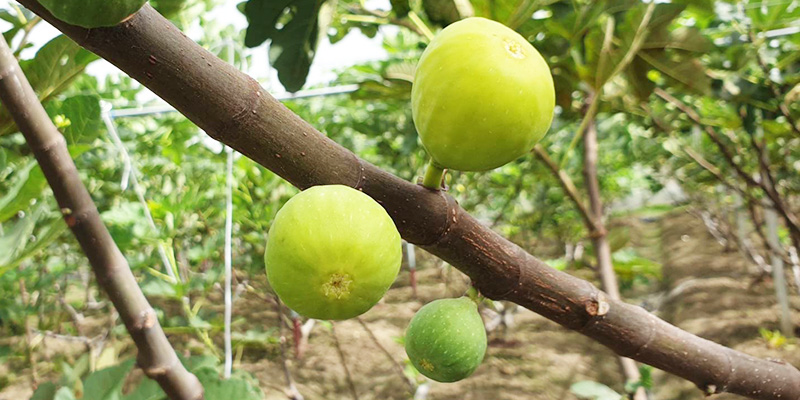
<point>353,49</point>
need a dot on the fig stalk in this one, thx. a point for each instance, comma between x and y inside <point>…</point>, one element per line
<point>433,176</point>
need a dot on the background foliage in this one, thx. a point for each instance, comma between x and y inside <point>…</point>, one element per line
<point>736,63</point>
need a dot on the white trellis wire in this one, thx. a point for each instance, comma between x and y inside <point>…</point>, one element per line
<point>228,238</point>
<point>129,174</point>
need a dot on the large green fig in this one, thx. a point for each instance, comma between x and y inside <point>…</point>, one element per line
<point>92,13</point>
<point>482,96</point>
<point>446,339</point>
<point>332,252</point>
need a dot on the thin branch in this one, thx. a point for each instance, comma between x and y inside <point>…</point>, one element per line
<point>705,164</point>
<point>342,358</point>
<point>156,356</point>
<point>67,338</point>
<point>387,18</point>
<point>25,297</point>
<point>569,187</point>
<point>228,261</point>
<point>396,366</point>
<point>602,248</point>
<point>789,218</point>
<point>26,34</point>
<point>291,392</point>
<point>712,134</point>
<point>795,267</point>
<point>699,159</point>
<point>240,113</point>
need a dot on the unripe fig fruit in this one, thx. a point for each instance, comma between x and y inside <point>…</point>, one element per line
<point>92,13</point>
<point>332,252</point>
<point>482,96</point>
<point>446,339</point>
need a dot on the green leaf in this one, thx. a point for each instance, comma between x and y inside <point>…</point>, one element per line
<point>147,389</point>
<point>64,394</point>
<point>445,12</point>
<point>233,388</point>
<point>689,72</point>
<point>683,38</point>
<point>28,184</point>
<point>637,77</point>
<point>594,391</point>
<point>168,8</point>
<point>400,7</point>
<point>50,72</point>
<point>292,26</point>
<point>45,391</point>
<point>16,238</point>
<point>83,113</point>
<point>51,231</point>
<point>500,11</point>
<point>106,384</point>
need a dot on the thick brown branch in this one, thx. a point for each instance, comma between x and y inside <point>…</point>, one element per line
<point>156,356</point>
<point>238,112</point>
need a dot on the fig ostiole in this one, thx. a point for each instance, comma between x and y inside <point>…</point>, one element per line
<point>446,339</point>
<point>92,13</point>
<point>332,253</point>
<point>482,97</point>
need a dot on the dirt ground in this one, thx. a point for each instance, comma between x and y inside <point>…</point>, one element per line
<point>705,290</point>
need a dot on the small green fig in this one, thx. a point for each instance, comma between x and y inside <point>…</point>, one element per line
<point>332,252</point>
<point>92,13</point>
<point>482,96</point>
<point>446,340</point>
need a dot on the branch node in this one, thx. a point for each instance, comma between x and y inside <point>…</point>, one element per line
<point>598,306</point>
<point>362,177</point>
<point>58,142</point>
<point>450,221</point>
<point>147,319</point>
<point>8,72</point>
<point>650,337</point>
<point>156,371</point>
<point>228,127</point>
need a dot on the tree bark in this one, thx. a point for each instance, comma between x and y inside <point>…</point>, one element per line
<point>156,356</point>
<point>236,110</point>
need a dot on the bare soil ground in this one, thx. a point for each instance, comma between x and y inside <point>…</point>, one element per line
<point>705,290</point>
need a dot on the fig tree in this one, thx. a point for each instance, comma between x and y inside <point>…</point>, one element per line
<point>332,252</point>
<point>92,13</point>
<point>482,96</point>
<point>446,339</point>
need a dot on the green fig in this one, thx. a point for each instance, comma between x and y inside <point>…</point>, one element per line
<point>92,13</point>
<point>446,340</point>
<point>332,253</point>
<point>482,96</point>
